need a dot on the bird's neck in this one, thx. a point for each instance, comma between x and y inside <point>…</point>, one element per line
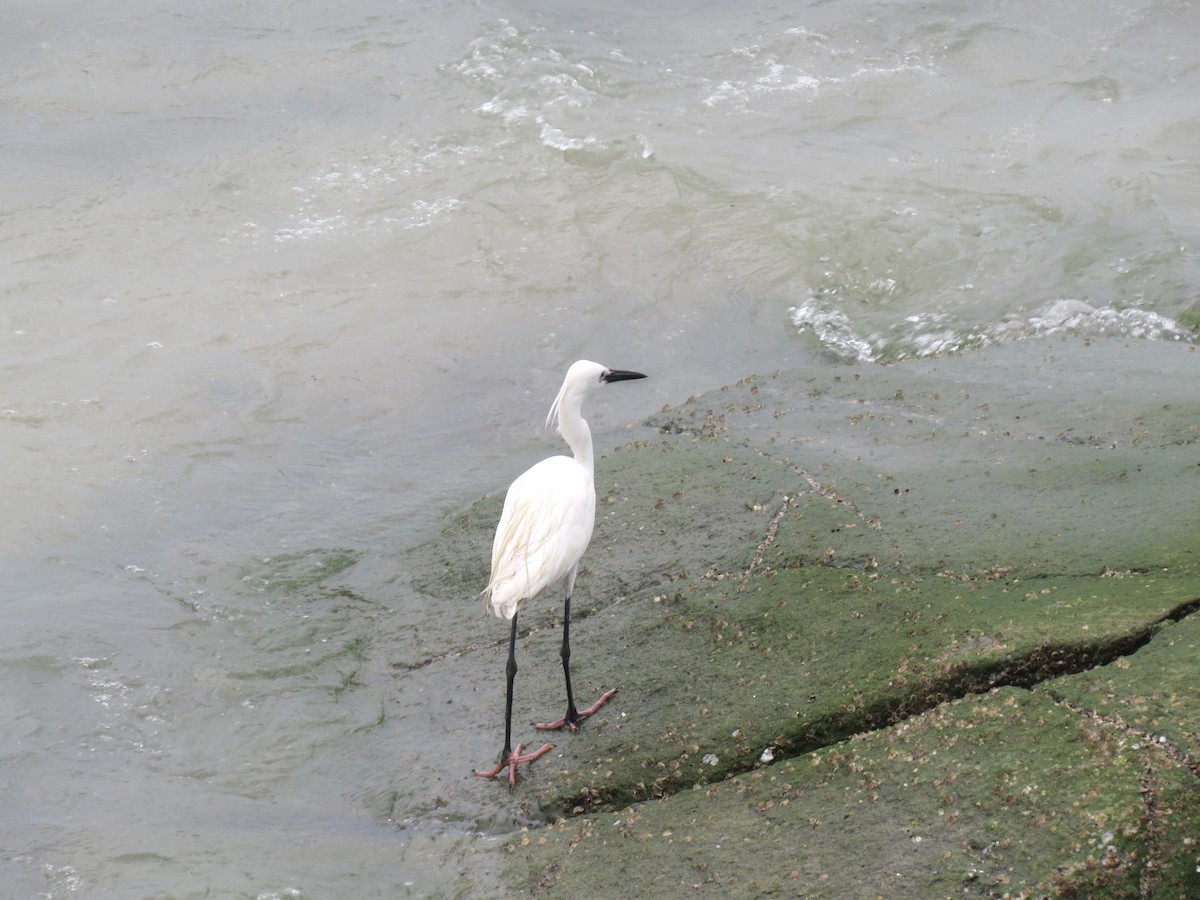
<point>575,431</point>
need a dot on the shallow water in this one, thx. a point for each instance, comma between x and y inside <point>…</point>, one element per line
<point>285,282</point>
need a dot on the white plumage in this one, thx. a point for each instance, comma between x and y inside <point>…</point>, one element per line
<point>544,529</point>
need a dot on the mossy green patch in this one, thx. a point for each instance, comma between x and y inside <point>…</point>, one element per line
<point>1006,794</point>
<point>292,573</point>
<point>716,674</point>
<point>1154,693</point>
<point>312,624</point>
<point>1190,318</point>
<point>1029,458</point>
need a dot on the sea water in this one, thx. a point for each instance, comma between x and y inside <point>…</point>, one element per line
<point>288,280</point>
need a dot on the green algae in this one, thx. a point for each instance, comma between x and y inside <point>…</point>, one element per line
<point>1027,458</point>
<point>293,573</point>
<point>1190,318</point>
<point>1153,693</point>
<point>1007,794</point>
<point>1011,793</point>
<point>793,660</point>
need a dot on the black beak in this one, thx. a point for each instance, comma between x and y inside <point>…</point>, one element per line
<point>620,375</point>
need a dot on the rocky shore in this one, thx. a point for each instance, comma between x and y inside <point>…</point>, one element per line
<point>914,630</point>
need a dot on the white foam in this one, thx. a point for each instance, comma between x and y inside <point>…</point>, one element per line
<point>531,80</point>
<point>1069,316</point>
<point>833,329</point>
<point>930,333</point>
<point>560,140</point>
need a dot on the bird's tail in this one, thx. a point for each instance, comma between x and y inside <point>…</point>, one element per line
<point>504,593</point>
<point>501,607</point>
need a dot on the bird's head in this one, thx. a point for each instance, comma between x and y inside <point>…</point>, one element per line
<point>582,378</point>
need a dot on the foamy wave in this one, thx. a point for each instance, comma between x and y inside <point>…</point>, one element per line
<point>833,329</point>
<point>301,227</point>
<point>530,80</point>
<point>777,78</point>
<point>560,140</point>
<point>423,212</point>
<point>1077,317</point>
<point>930,334</point>
<point>802,64</point>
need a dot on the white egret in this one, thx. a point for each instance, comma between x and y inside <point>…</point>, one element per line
<point>544,529</point>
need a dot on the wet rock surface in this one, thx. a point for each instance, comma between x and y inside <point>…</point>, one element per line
<point>919,630</point>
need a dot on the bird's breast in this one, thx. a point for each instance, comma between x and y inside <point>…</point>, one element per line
<point>547,521</point>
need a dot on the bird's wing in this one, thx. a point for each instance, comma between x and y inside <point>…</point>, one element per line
<point>545,527</point>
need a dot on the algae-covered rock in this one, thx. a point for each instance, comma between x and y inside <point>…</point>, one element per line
<point>908,630</point>
<point>1006,794</point>
<point>1152,693</point>
<point>794,661</point>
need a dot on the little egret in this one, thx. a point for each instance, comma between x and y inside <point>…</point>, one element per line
<point>544,528</point>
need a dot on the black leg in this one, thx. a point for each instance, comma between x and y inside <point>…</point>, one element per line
<point>573,717</point>
<point>509,758</point>
<point>511,671</point>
